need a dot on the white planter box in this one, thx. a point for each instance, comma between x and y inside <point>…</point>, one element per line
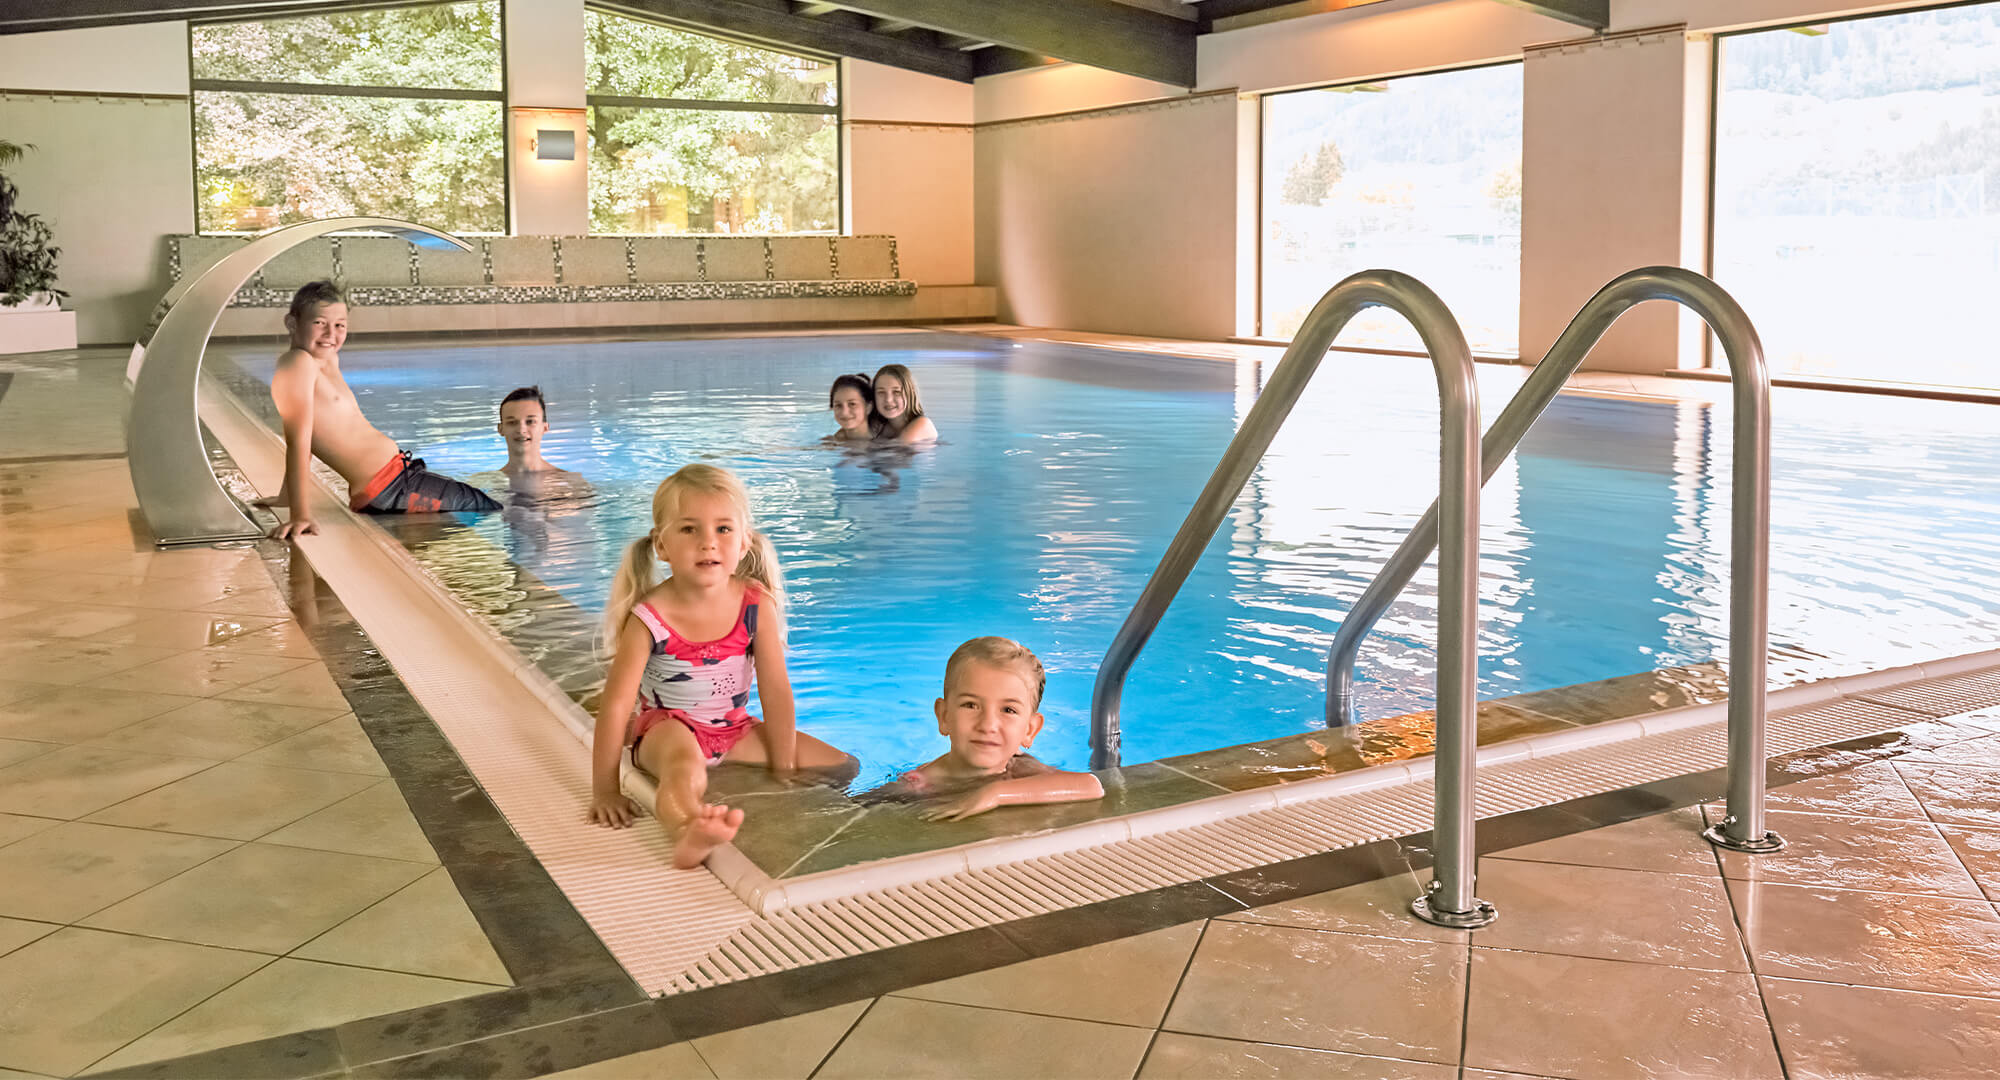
<point>36,329</point>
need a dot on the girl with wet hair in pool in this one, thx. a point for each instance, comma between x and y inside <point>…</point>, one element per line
<point>852,400</point>
<point>685,654</point>
<point>901,409</point>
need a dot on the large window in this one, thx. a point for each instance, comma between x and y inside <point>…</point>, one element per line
<point>1420,174</point>
<point>692,134</point>
<point>393,112</point>
<point>1857,193</point>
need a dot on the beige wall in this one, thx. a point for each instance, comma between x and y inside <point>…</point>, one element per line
<point>545,92</point>
<point>1121,220</point>
<point>1394,38</point>
<point>1612,182</point>
<point>150,58</point>
<point>1060,88</point>
<point>907,140</point>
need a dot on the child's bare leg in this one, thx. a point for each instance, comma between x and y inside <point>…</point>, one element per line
<point>670,753</point>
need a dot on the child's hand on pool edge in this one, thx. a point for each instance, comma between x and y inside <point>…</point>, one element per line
<point>971,804</point>
<point>613,810</point>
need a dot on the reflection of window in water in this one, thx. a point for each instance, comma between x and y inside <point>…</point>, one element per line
<point>542,510</point>
<point>885,461</point>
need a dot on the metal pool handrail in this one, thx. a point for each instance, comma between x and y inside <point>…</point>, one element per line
<point>1750,527</point>
<point>1449,900</point>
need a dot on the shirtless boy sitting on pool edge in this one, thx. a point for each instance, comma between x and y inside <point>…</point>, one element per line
<point>323,420</point>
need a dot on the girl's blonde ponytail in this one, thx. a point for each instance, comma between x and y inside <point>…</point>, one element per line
<point>635,578</point>
<point>760,564</point>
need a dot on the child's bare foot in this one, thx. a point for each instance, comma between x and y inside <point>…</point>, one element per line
<point>711,827</point>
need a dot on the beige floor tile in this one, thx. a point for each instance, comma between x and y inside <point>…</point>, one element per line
<point>1955,794</point>
<point>425,929</point>
<point>11,1074</point>
<point>284,638</point>
<point>1197,1057</point>
<point>1668,843</point>
<point>1848,853</point>
<point>309,686</point>
<point>1634,915</point>
<point>201,673</point>
<point>76,995</point>
<point>789,1049</point>
<point>339,745</point>
<point>1606,1020</point>
<point>1127,981</point>
<point>70,662</point>
<point>1363,995</point>
<point>12,690</point>
<point>675,1062</point>
<point>1379,908</point>
<point>1983,753</point>
<point>77,621</point>
<point>261,897</point>
<point>15,933</point>
<point>213,591</point>
<point>185,629</point>
<point>1873,790</point>
<point>234,800</point>
<point>1489,1074</point>
<point>66,872</point>
<point>17,826</point>
<point>76,714</point>
<point>15,750</point>
<point>83,713</point>
<point>77,780</point>
<point>375,821</point>
<point>904,1037</point>
<point>288,996</point>
<point>217,728</point>
<point>1827,1030</point>
<point>1979,850</point>
<point>14,609</point>
<point>1892,940</point>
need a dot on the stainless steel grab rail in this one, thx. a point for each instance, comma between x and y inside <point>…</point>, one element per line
<point>1750,530</point>
<point>1449,901</point>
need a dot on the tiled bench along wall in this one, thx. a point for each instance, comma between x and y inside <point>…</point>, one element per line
<point>383,271</point>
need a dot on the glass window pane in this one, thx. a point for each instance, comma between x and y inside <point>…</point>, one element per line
<point>630,58</point>
<point>1861,154</point>
<point>1422,175</point>
<point>720,171</point>
<point>272,159</point>
<point>442,46</point>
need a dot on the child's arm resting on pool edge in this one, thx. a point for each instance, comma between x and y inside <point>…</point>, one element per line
<point>780,729</point>
<point>608,804</point>
<point>292,391</point>
<point>1047,786</point>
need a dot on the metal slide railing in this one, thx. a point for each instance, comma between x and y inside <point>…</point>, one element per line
<point>1750,529</point>
<point>1449,901</point>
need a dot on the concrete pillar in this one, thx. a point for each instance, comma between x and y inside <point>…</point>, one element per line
<point>548,196</point>
<point>1614,166</point>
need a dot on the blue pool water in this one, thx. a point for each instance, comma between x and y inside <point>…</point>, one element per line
<point>1064,471</point>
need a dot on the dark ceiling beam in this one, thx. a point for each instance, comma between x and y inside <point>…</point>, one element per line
<point>32,16</point>
<point>773,24</point>
<point>812,9</point>
<point>1216,15</point>
<point>1590,14</point>
<point>999,60</point>
<point>1101,33</point>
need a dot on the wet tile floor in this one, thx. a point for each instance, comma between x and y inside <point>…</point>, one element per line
<point>1870,947</point>
<point>199,845</point>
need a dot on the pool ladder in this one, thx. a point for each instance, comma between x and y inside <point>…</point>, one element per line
<point>1452,526</point>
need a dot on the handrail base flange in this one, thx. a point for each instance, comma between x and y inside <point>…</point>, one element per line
<point>1718,835</point>
<point>1482,914</point>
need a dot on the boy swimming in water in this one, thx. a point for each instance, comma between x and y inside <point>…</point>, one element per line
<point>323,420</point>
<point>992,693</point>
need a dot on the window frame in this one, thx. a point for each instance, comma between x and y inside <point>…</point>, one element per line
<point>838,110</point>
<point>1263,135</point>
<point>258,86</point>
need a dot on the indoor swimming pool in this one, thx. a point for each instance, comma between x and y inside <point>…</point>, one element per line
<point>1064,471</point>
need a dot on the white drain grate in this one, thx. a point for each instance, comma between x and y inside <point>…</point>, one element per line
<point>675,931</point>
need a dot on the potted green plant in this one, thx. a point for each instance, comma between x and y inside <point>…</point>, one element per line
<point>27,258</point>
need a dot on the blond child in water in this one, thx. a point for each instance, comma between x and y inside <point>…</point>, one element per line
<point>685,653</point>
<point>992,691</point>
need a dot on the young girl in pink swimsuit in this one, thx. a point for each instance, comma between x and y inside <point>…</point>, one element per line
<point>685,653</point>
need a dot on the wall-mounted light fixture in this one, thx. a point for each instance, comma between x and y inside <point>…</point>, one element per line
<point>555,144</point>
